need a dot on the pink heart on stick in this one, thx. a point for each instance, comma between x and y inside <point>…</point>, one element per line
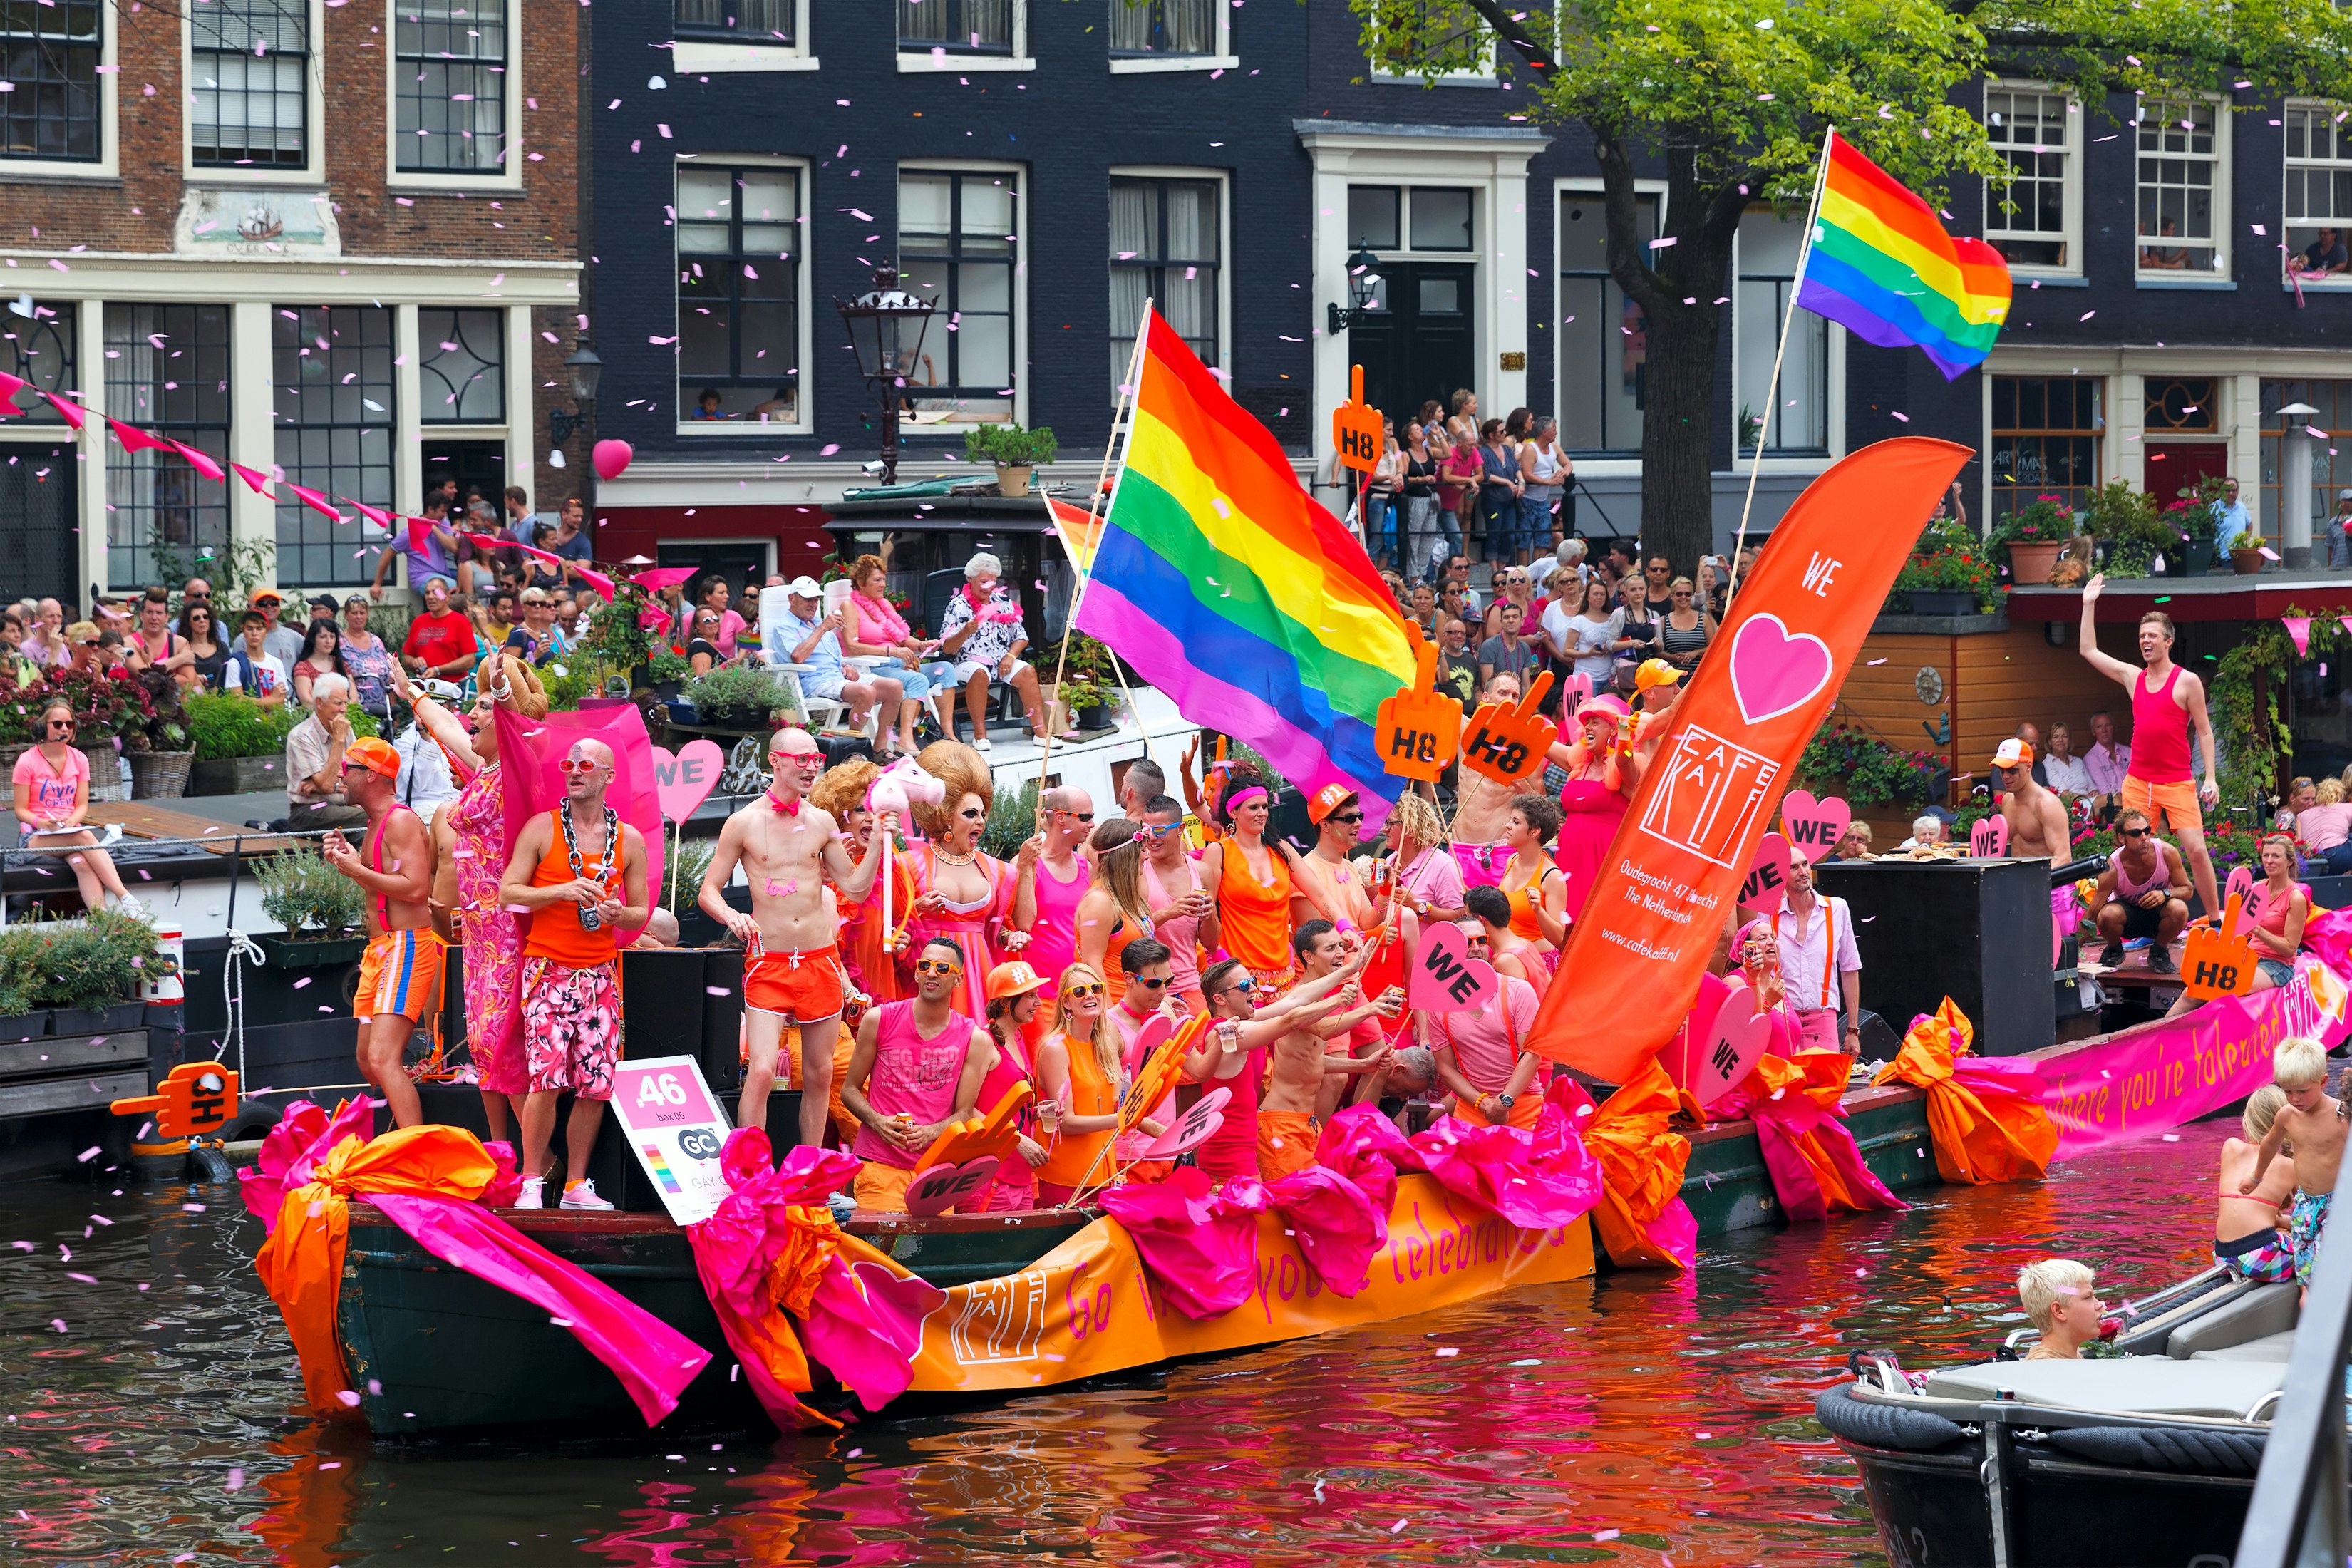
<point>1196,1127</point>
<point>941,1187</point>
<point>1149,1037</point>
<point>1989,839</point>
<point>1735,1044</point>
<point>1575,691</point>
<point>1814,826</point>
<point>1768,874</point>
<point>1773,671</point>
<point>684,779</point>
<point>1445,978</point>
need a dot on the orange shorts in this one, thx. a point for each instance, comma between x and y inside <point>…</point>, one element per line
<point>399,972</point>
<point>882,1188</point>
<point>1286,1144</point>
<point>2174,805</point>
<point>1522,1114</point>
<point>805,987</point>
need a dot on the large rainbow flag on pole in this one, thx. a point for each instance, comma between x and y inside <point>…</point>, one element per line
<point>1226,586</point>
<point>1880,265</point>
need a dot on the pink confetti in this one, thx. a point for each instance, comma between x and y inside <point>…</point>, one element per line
<point>349,1397</point>
<point>719,991</point>
<point>302,982</point>
<point>236,1477</point>
<point>84,1158</point>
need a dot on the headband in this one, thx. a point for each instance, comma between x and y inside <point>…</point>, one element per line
<point>1241,799</point>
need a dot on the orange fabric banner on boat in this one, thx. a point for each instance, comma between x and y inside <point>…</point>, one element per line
<point>1672,875</point>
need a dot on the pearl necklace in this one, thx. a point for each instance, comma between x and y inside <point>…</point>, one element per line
<point>945,858</point>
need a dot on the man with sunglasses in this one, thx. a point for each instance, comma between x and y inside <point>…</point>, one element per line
<point>792,965</point>
<point>1247,1021</point>
<point>1049,879</point>
<point>917,1067</point>
<point>579,874</point>
<point>2037,819</point>
<point>2144,892</point>
<point>1331,880</point>
<point>399,972</point>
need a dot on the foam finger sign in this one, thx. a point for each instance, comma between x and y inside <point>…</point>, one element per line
<point>685,778</point>
<point>1196,1127</point>
<point>1768,874</point>
<point>1445,978</point>
<point>1989,839</point>
<point>1814,826</point>
<point>941,1187</point>
<point>1735,1044</point>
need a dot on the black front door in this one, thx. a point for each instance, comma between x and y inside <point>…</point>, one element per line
<point>38,528</point>
<point>1415,345</point>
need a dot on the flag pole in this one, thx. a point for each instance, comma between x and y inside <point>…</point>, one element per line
<point>1773,387</point>
<point>1086,570</point>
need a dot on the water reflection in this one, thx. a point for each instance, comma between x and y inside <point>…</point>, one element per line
<point>1637,1419</point>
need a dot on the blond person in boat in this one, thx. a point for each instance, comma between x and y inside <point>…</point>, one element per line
<point>1081,1079</point>
<point>2246,1238</point>
<point>2058,1299</point>
<point>2311,1126</point>
<point>791,968</point>
<point>917,1067</point>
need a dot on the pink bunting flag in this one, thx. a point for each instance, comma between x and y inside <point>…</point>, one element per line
<point>374,515</point>
<point>420,533</point>
<point>660,577</point>
<point>10,386</point>
<point>2346,622</point>
<point>316,500</point>
<point>2299,628</point>
<point>203,462</point>
<point>254,478</point>
<point>71,413</point>
<point>596,580</point>
<point>135,439</point>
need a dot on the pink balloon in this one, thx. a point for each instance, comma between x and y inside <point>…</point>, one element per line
<point>610,457</point>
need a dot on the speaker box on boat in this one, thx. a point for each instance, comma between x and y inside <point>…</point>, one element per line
<point>1976,931</point>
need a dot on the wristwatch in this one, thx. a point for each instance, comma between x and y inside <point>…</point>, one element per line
<point>1506,1100</point>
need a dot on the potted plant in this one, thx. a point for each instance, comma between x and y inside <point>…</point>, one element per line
<point>2246,554</point>
<point>618,637</point>
<point>743,699</point>
<point>668,669</point>
<point>1015,452</point>
<point>1088,685</point>
<point>324,912</point>
<point>88,971</point>
<point>2030,539</point>
<point>110,715</point>
<point>240,745</point>
<point>2194,516</point>
<point>2132,528</point>
<point>160,755</point>
<point>1947,575</point>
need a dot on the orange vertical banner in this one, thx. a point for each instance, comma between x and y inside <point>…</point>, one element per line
<point>1632,963</point>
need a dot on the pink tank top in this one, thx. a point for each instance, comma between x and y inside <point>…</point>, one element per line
<point>1181,936</point>
<point>2126,887</point>
<point>2159,740</point>
<point>913,1073</point>
<point>1054,934</point>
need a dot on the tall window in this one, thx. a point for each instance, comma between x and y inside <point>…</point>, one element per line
<point>39,346</point>
<point>1604,340</point>
<point>167,372</point>
<point>739,248</point>
<point>2179,180</point>
<point>2028,219</point>
<point>1797,419</point>
<point>1163,248</point>
<point>956,241</point>
<point>250,61</point>
<point>49,53</point>
<point>2318,174</point>
<point>461,358</point>
<point>967,26</point>
<point>451,60</point>
<point>2045,439</point>
<point>2331,462</point>
<point>1164,26</point>
<point>737,21</point>
<point>333,370</point>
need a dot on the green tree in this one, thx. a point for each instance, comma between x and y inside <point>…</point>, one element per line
<point>1735,96</point>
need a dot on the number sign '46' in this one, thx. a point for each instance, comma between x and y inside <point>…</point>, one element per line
<point>676,1130</point>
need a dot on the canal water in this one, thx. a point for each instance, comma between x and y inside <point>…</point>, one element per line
<point>1637,1419</point>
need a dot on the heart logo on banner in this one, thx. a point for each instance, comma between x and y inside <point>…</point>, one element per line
<point>1196,1127</point>
<point>684,778</point>
<point>1814,826</point>
<point>1445,978</point>
<point>1989,839</point>
<point>1773,671</point>
<point>1768,874</point>
<point>1735,1044</point>
<point>940,1188</point>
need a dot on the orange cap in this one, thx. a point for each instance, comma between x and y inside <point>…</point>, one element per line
<point>1011,978</point>
<point>376,756</point>
<point>1327,799</point>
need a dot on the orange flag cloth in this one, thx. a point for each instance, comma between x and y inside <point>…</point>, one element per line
<point>1986,1116</point>
<point>1642,1219</point>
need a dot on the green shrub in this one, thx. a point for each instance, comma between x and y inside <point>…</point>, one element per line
<point>223,725</point>
<point>1010,446</point>
<point>682,872</point>
<point>1865,770</point>
<point>738,697</point>
<point>1012,821</point>
<point>95,962</point>
<point>302,892</point>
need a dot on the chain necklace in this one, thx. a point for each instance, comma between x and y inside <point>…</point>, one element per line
<point>589,919</point>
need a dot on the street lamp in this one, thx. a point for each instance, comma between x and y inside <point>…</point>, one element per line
<point>2294,486</point>
<point>885,326</point>
<point>585,370</point>
<point>1363,291</point>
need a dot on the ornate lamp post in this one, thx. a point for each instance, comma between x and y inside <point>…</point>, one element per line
<point>1363,289</point>
<point>584,370</point>
<point>885,326</point>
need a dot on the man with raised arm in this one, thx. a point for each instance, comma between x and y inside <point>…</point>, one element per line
<point>579,873</point>
<point>1049,879</point>
<point>792,971</point>
<point>2166,701</point>
<point>400,974</point>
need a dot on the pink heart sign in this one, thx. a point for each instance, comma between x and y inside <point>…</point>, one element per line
<point>1773,671</point>
<point>1814,826</point>
<point>1735,1044</point>
<point>940,1188</point>
<point>1989,839</point>
<point>1768,874</point>
<point>685,778</point>
<point>1575,691</point>
<point>1445,978</point>
<point>1196,1127</point>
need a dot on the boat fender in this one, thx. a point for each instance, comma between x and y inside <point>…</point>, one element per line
<point>209,1165</point>
<point>2186,1450</point>
<point>254,1119</point>
<point>1883,1426</point>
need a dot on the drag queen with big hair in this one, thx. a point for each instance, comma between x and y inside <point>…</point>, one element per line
<point>962,894</point>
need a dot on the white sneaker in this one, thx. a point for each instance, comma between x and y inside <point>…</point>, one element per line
<point>583,1195</point>
<point>984,744</point>
<point>529,1199</point>
<point>132,904</point>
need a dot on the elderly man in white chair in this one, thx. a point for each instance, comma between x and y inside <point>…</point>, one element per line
<point>983,631</point>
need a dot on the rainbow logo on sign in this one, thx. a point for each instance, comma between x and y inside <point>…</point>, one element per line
<point>660,1168</point>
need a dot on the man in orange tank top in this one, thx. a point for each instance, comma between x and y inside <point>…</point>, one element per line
<point>579,871</point>
<point>2166,700</point>
<point>400,974</point>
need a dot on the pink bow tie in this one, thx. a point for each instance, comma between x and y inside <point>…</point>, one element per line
<point>789,808</point>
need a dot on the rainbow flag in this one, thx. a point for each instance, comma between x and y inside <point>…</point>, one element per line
<point>1080,529</point>
<point>1881,266</point>
<point>1226,586</point>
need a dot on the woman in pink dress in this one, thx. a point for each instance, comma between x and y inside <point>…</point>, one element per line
<point>961,893</point>
<point>469,837</point>
<point>1602,773</point>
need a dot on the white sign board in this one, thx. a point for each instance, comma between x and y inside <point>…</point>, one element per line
<point>674,1130</point>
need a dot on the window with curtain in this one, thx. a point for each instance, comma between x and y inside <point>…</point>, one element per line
<point>461,358</point>
<point>967,27</point>
<point>450,64</point>
<point>957,244</point>
<point>1165,247</point>
<point>331,369</point>
<point>737,21</point>
<point>1603,341</point>
<point>1163,26</point>
<point>249,63</point>
<point>738,246</point>
<point>2045,439</point>
<point>2028,217</point>
<point>1798,422</point>
<point>167,372</point>
<point>2318,174</point>
<point>49,53</point>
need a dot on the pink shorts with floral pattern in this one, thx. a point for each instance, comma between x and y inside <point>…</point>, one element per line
<point>571,1026</point>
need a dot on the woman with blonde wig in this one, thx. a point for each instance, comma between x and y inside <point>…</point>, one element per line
<point>1080,1080</point>
<point>1112,912</point>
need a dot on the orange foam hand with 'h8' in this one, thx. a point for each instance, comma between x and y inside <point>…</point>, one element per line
<point>991,1134</point>
<point>1418,731</point>
<point>1508,742</point>
<point>2219,962</point>
<point>1356,428</point>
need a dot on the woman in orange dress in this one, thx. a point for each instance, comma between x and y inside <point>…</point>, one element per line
<point>1111,911</point>
<point>1536,888</point>
<point>1258,903</point>
<point>867,956</point>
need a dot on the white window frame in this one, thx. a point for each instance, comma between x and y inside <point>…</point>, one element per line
<point>508,177</point>
<point>1221,56</point>
<point>919,58</point>
<point>312,172</point>
<point>1223,368</point>
<point>1022,174</point>
<point>108,164</point>
<point>2071,191</point>
<point>709,56</point>
<point>804,344</point>
<point>2289,221</point>
<point>1464,76</point>
<point>1630,467</point>
<point>2220,244</point>
<point>1833,385</point>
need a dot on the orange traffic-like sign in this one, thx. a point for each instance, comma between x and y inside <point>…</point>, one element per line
<point>1418,731</point>
<point>1508,742</point>
<point>1356,427</point>
<point>193,1098</point>
<point>2219,962</point>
